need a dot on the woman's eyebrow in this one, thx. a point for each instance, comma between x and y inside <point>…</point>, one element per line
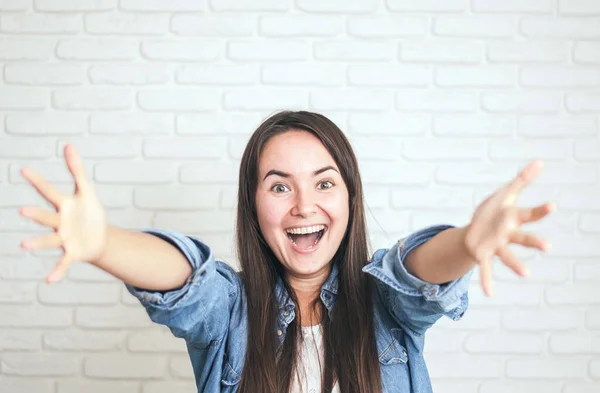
<point>283,174</point>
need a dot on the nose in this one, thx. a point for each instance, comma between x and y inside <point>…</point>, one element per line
<point>305,205</point>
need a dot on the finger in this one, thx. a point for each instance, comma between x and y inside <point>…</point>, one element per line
<point>61,268</point>
<point>51,240</point>
<point>45,189</point>
<point>510,260</point>
<point>529,240</point>
<point>524,178</point>
<point>75,165</point>
<point>485,273</point>
<point>41,216</point>
<point>536,213</point>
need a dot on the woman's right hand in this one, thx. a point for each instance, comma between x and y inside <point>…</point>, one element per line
<point>79,222</point>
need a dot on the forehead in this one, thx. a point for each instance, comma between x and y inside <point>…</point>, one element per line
<point>294,152</point>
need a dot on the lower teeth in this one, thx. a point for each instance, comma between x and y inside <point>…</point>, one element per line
<point>316,241</point>
<point>314,244</point>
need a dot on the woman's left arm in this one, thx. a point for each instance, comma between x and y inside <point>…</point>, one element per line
<point>442,259</point>
<point>496,223</point>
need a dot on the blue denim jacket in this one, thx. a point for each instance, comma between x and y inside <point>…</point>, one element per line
<point>209,312</point>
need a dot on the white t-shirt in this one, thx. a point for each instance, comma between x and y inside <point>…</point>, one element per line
<point>310,352</point>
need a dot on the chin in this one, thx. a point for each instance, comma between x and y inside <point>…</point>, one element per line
<point>305,266</point>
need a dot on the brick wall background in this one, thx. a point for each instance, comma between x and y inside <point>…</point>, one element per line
<point>444,100</point>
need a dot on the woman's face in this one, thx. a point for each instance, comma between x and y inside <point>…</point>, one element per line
<point>300,190</point>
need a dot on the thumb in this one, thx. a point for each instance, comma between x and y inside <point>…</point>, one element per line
<point>75,165</point>
<point>61,268</point>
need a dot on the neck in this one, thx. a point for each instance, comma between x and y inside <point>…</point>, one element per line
<point>307,291</point>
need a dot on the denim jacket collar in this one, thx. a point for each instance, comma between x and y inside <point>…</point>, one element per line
<point>331,284</point>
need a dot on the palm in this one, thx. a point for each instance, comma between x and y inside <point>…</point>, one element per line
<point>82,227</point>
<point>79,222</point>
<point>494,224</point>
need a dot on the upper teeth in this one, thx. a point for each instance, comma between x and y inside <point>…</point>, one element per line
<point>305,230</point>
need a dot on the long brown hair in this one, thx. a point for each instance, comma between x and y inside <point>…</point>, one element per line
<point>350,347</point>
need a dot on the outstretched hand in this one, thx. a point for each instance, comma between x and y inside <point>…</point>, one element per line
<point>79,222</point>
<point>497,222</point>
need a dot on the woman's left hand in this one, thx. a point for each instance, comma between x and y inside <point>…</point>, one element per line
<point>497,222</point>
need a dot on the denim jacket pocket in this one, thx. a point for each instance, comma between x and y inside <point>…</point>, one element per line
<point>391,351</point>
<point>229,377</point>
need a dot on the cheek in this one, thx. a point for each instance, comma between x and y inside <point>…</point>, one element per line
<point>269,215</point>
<point>338,207</point>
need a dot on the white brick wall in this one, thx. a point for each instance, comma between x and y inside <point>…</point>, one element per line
<point>443,100</point>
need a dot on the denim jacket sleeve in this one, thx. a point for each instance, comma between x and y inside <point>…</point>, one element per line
<point>416,304</point>
<point>199,311</point>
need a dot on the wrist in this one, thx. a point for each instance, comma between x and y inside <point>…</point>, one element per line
<point>468,243</point>
<point>103,251</point>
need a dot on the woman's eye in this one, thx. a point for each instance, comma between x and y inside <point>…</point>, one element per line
<point>278,188</point>
<point>327,182</point>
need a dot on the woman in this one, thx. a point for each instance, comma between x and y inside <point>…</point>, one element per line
<point>309,311</point>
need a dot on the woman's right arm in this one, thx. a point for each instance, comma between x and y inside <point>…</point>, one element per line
<point>143,260</point>
<point>175,277</point>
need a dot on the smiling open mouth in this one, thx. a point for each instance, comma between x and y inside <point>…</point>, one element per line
<point>306,241</point>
